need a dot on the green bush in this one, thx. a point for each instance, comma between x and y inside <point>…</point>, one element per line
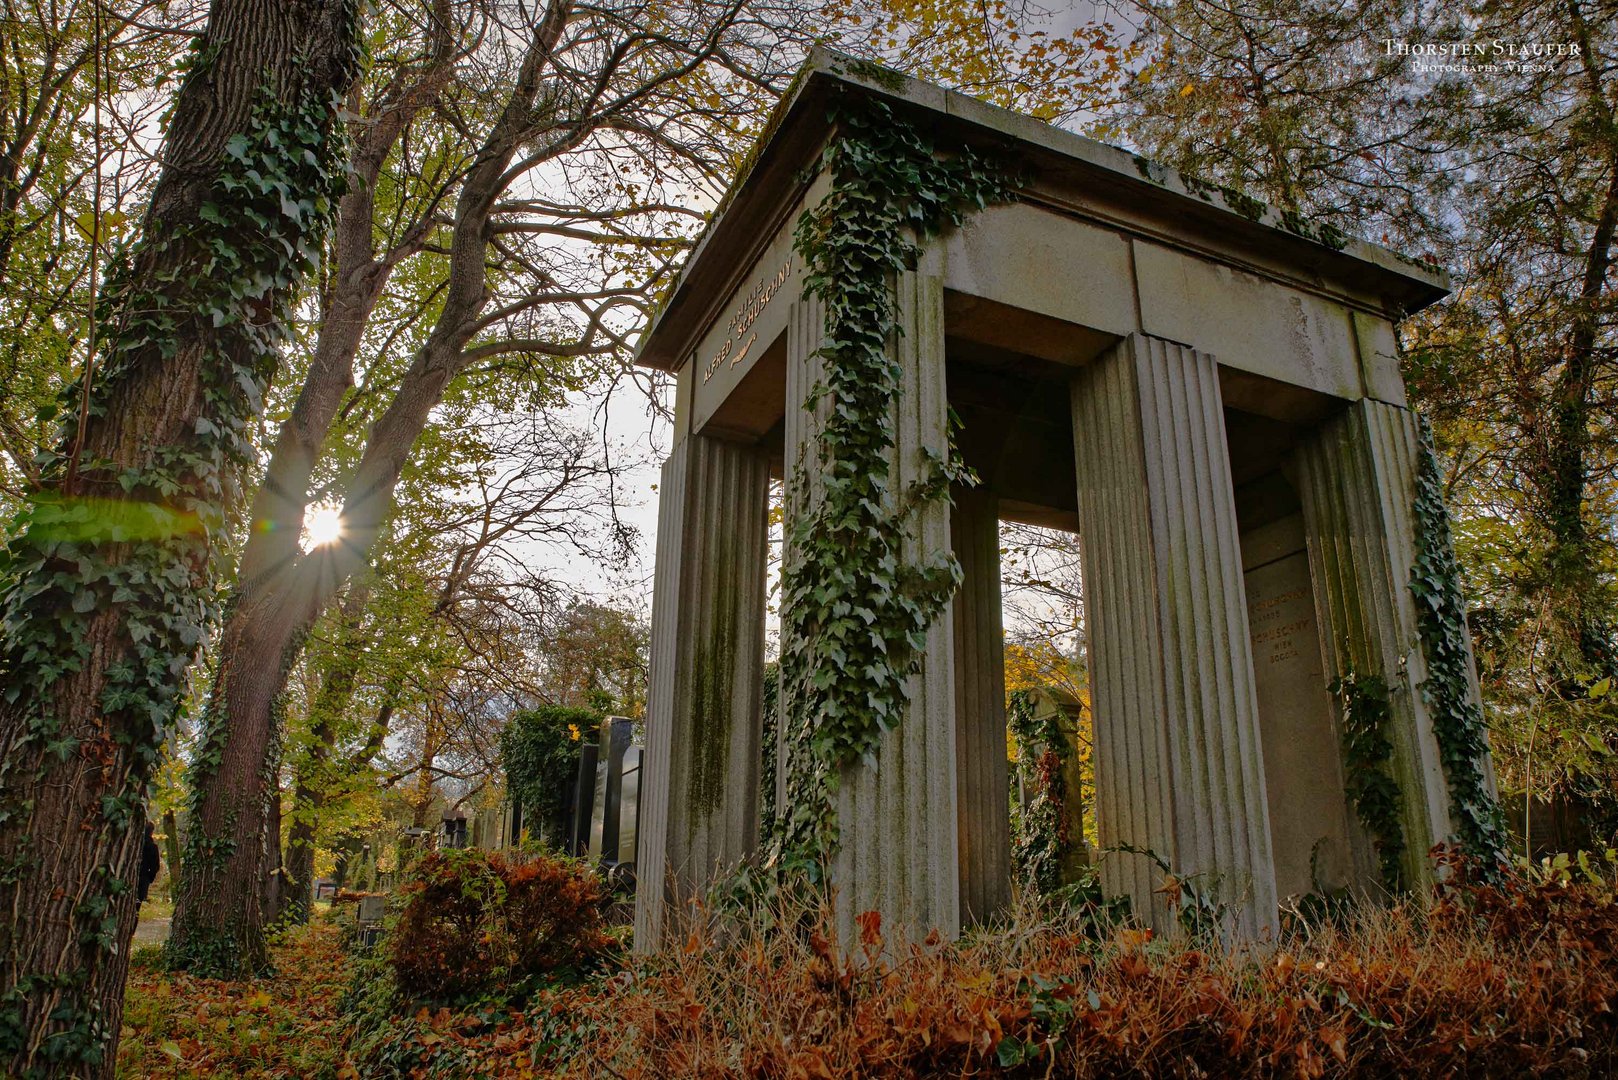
<point>539,750</point>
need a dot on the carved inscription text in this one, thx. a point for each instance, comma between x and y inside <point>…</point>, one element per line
<point>742,321</point>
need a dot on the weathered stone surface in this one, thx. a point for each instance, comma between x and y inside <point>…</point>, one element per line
<point>1314,846</point>
<point>1178,762</point>
<point>1083,276</point>
<point>1379,358</point>
<point>1357,477</point>
<point>747,325</point>
<point>899,849</point>
<point>1249,323</point>
<point>699,808</point>
<point>981,811</point>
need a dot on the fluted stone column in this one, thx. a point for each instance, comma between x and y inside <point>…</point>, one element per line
<point>1178,762</point>
<point>699,810</point>
<point>1357,479</point>
<point>899,850</point>
<point>983,811</point>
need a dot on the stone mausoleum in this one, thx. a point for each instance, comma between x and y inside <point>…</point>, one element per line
<point>1205,390</point>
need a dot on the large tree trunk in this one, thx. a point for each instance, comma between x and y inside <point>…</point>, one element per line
<point>109,575</point>
<point>220,914</point>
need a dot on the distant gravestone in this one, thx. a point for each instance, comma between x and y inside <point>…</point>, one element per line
<point>368,917</point>
<point>616,732</point>
<point>629,806</point>
<point>584,786</point>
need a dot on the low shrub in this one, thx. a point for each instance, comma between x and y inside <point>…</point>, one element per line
<point>1509,980</point>
<point>472,921</point>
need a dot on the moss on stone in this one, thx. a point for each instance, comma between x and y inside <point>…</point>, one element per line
<point>708,752</point>
<point>888,79</point>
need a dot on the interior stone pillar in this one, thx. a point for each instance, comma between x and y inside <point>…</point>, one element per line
<point>1357,480</point>
<point>699,812</point>
<point>983,810</point>
<point>802,487</point>
<point>1178,763</point>
<point>899,851</point>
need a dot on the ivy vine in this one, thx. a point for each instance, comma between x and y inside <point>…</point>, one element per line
<point>1040,835</point>
<point>855,613</point>
<point>1458,722</point>
<point>100,535</point>
<point>768,812</point>
<point>1367,758</point>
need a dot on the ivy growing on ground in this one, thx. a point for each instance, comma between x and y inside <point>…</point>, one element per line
<point>1367,755</point>
<point>1040,836</point>
<point>144,546</point>
<point>1458,723</point>
<point>855,612</point>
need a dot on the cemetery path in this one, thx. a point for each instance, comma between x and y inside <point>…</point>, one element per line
<point>153,931</point>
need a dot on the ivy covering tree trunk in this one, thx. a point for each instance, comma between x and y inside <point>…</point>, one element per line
<point>107,578</point>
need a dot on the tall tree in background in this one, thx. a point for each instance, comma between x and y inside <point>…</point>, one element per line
<point>609,99</point>
<point>1519,371</point>
<point>1509,177</point>
<point>106,582</point>
<point>596,657</point>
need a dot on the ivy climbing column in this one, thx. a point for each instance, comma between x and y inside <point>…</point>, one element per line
<point>897,849</point>
<point>982,815</point>
<point>699,814</point>
<point>1178,765</point>
<point>1357,476</point>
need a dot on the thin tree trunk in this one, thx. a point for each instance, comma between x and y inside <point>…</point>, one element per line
<point>1572,558</point>
<point>308,801</point>
<point>219,918</point>
<point>275,886</point>
<point>109,575</point>
<point>312,772</point>
<point>171,850</point>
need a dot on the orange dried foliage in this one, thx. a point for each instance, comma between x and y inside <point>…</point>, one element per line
<point>1508,981</point>
<point>285,1025</point>
<point>473,919</point>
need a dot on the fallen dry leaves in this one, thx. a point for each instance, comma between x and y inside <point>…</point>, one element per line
<point>286,1025</point>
